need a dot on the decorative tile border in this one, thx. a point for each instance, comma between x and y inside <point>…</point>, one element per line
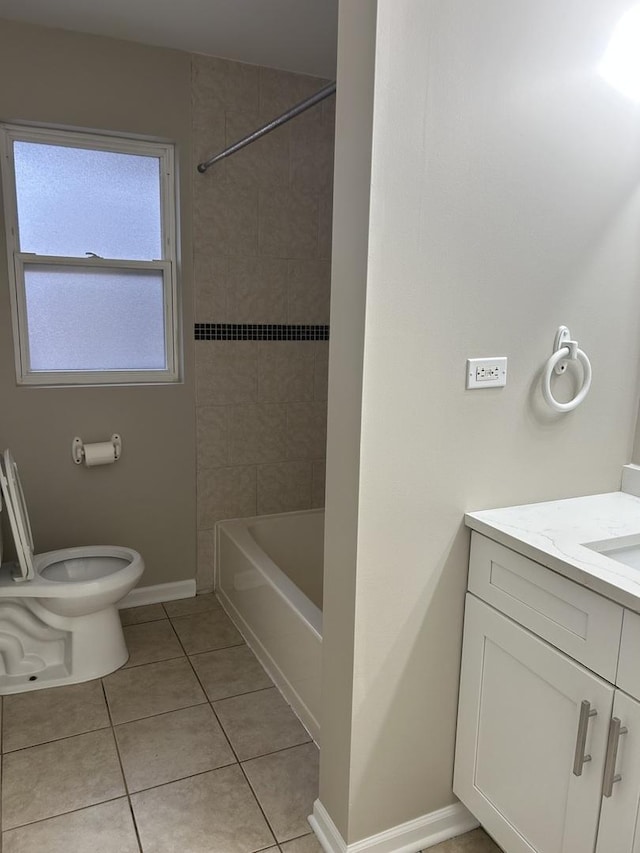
<point>258,332</point>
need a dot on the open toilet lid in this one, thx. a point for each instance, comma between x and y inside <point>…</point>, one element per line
<point>17,511</point>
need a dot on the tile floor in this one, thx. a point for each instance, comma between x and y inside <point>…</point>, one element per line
<point>473,842</point>
<point>188,748</point>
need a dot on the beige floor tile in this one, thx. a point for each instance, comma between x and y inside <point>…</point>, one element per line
<point>286,784</point>
<point>229,672</point>
<point>145,613</point>
<point>48,780</point>
<point>472,842</point>
<point>77,832</point>
<point>204,632</point>
<point>258,723</point>
<point>154,688</point>
<point>307,844</point>
<point>172,746</point>
<point>151,642</point>
<point>43,715</point>
<point>189,606</point>
<point>214,811</point>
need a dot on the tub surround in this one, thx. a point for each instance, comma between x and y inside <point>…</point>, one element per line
<point>555,534</point>
<point>262,258</point>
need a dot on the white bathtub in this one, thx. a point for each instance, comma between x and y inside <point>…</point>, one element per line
<point>269,579</point>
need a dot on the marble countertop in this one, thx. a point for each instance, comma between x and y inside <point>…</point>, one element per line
<point>554,534</point>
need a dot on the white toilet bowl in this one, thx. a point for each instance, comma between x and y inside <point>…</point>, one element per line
<point>59,623</point>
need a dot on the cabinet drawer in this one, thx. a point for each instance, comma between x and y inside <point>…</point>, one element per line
<point>581,623</point>
<point>629,665</point>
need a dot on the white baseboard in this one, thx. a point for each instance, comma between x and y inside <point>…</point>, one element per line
<point>410,837</point>
<point>158,593</point>
<point>325,830</point>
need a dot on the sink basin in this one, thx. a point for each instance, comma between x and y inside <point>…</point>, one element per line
<point>622,549</point>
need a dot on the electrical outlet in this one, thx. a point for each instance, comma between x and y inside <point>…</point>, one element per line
<point>486,372</point>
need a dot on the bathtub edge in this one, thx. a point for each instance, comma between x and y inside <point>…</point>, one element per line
<point>292,697</point>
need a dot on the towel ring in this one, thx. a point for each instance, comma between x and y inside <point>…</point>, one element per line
<point>565,350</point>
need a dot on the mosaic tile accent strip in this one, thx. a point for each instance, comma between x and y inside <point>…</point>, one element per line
<point>259,332</point>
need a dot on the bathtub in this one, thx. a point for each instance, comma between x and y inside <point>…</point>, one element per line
<point>269,580</point>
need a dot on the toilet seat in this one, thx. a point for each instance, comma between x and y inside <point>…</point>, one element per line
<point>106,568</point>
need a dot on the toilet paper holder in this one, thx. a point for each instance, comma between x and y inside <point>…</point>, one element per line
<point>78,451</point>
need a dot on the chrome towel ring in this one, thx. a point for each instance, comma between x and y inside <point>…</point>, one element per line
<point>565,351</point>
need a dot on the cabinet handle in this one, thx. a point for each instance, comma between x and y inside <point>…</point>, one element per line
<point>610,776</point>
<point>580,758</point>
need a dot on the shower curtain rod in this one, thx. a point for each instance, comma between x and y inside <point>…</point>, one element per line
<point>272,125</point>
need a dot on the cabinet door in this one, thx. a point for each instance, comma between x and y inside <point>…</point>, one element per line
<point>620,817</point>
<point>518,732</point>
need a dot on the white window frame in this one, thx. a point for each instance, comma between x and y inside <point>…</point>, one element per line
<point>9,133</point>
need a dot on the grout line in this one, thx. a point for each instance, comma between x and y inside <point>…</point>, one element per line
<point>113,731</point>
<point>276,751</point>
<point>232,763</point>
<point>161,714</point>
<point>124,775</point>
<point>264,814</point>
<point>272,753</point>
<point>117,745</point>
<point>216,610</point>
<point>197,612</point>
<point>177,657</point>
<point>235,754</point>
<point>144,621</point>
<point>219,649</point>
<point>127,668</point>
<point>57,739</point>
<point>298,837</point>
<point>62,814</point>
<point>183,778</point>
<point>205,701</point>
<point>240,764</point>
<point>135,825</point>
<point>245,693</point>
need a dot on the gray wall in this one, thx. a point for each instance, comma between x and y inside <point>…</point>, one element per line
<point>262,255</point>
<point>147,499</point>
<point>504,201</point>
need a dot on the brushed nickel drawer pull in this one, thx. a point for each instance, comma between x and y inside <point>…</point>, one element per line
<point>580,758</point>
<point>616,729</point>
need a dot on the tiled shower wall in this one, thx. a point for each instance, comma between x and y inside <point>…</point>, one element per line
<point>262,249</point>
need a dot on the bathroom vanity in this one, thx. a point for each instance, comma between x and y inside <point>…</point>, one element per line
<point>548,743</point>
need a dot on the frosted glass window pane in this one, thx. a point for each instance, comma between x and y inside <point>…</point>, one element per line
<point>86,319</point>
<point>72,201</point>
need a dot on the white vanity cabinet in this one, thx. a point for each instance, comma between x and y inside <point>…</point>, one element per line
<point>542,730</point>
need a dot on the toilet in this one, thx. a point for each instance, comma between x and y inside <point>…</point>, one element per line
<point>59,621</point>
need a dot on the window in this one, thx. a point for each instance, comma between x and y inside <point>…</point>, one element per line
<point>92,257</point>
